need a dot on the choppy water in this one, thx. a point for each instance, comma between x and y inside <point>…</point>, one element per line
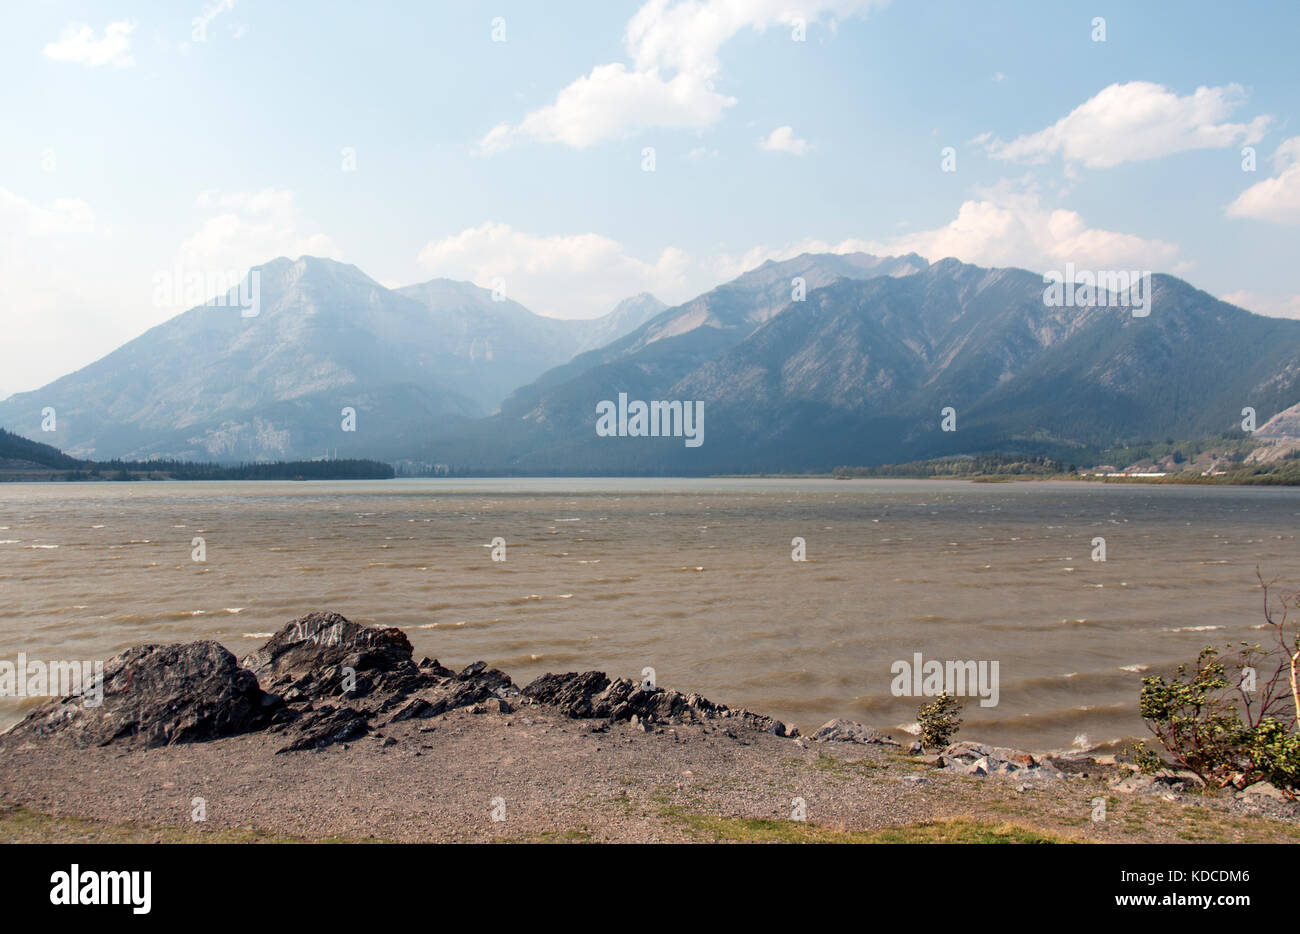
<point>693,578</point>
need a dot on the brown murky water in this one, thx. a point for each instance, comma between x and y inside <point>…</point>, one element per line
<point>692,578</point>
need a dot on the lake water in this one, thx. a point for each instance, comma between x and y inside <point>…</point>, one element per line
<point>692,578</point>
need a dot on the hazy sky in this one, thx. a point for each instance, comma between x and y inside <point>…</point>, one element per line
<point>144,137</point>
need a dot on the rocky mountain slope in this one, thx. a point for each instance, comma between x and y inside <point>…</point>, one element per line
<point>217,383</point>
<point>861,370</point>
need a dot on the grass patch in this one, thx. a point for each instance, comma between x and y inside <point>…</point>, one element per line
<point>765,830</point>
<point>20,825</point>
<point>549,836</point>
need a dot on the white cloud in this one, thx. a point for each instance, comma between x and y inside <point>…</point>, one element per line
<point>247,230</point>
<point>22,218</point>
<point>613,103</point>
<point>564,276</point>
<point>1007,225</point>
<point>78,45</point>
<point>1272,305</point>
<point>1274,199</point>
<point>782,139</point>
<point>204,20</point>
<point>680,38</point>
<point>1136,121</point>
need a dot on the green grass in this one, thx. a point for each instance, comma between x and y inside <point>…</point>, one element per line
<point>714,828</point>
<point>549,836</point>
<point>20,825</point>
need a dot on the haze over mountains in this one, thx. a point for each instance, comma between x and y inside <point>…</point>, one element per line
<point>211,384</point>
<point>853,366</point>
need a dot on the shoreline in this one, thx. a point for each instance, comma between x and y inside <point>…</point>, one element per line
<point>43,477</point>
<point>271,748</point>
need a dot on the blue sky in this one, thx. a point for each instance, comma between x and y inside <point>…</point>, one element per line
<point>135,146</point>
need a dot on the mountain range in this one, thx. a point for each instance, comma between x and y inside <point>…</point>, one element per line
<point>805,364</point>
<point>212,384</point>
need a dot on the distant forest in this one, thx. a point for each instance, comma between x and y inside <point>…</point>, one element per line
<point>23,459</point>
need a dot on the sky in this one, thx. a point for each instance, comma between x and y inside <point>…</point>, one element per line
<point>582,152</point>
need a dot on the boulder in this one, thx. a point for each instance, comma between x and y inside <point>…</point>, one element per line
<point>572,693</point>
<point>965,752</point>
<point>309,657</point>
<point>1263,790</point>
<point>158,695</point>
<point>1016,756</point>
<point>325,727</point>
<point>360,673</point>
<point>847,731</point>
<point>1140,784</point>
<point>587,694</point>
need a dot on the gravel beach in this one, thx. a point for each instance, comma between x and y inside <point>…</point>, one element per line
<point>416,767</point>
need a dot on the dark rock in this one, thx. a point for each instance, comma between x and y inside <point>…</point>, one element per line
<point>455,695</point>
<point>325,727</point>
<point>415,707</point>
<point>571,692</point>
<point>588,694</point>
<point>307,657</point>
<point>157,695</point>
<point>431,666</point>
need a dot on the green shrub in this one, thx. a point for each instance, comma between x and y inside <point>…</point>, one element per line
<point>1232,717</point>
<point>939,720</point>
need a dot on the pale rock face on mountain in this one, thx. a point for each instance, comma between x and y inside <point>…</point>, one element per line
<point>1279,437</point>
<point>331,364</point>
<point>1284,426</point>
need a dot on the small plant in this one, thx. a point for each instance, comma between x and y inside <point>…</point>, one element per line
<point>939,720</point>
<point>1231,718</point>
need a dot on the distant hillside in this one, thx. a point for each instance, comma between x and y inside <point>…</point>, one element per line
<point>859,372</point>
<point>17,452</point>
<point>24,460</point>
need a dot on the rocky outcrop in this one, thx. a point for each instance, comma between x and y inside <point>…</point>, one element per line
<point>338,679</point>
<point>980,760</point>
<point>324,680</point>
<point>847,731</point>
<point>156,695</point>
<point>591,694</point>
<point>326,655</point>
